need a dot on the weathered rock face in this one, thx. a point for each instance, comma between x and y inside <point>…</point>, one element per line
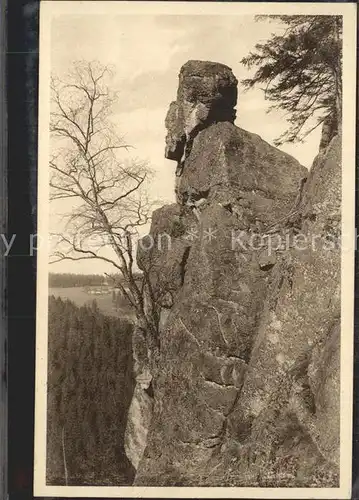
<point>292,383</point>
<point>207,93</point>
<point>169,226</point>
<point>247,391</point>
<point>233,167</point>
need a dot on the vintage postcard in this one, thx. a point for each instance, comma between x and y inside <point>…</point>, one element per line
<point>195,248</point>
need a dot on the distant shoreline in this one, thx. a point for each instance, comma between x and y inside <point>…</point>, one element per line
<point>80,297</point>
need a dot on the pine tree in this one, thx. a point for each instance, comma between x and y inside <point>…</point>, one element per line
<point>90,387</point>
<point>300,72</point>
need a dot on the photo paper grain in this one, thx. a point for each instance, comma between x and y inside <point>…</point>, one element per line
<point>195,250</point>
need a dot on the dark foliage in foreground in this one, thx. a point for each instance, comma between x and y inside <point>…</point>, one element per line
<point>89,391</point>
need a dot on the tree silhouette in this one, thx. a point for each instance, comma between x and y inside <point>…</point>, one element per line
<point>300,72</point>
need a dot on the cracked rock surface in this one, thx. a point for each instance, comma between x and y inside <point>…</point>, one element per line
<point>247,390</point>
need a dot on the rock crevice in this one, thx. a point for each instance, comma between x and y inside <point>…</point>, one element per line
<point>250,339</point>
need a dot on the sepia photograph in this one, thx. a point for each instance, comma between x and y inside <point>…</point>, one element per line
<point>195,250</point>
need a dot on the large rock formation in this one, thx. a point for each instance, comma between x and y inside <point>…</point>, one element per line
<point>246,268</point>
<point>207,93</point>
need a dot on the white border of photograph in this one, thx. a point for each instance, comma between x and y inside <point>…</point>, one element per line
<point>49,9</point>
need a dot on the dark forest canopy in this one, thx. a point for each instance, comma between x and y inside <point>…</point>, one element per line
<point>67,280</point>
<point>300,72</point>
<point>90,385</point>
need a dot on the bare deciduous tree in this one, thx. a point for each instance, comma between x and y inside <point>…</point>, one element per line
<point>107,191</point>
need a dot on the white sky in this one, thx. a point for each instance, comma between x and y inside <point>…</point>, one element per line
<point>146,53</point>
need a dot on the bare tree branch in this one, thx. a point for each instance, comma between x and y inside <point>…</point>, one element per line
<point>108,190</point>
